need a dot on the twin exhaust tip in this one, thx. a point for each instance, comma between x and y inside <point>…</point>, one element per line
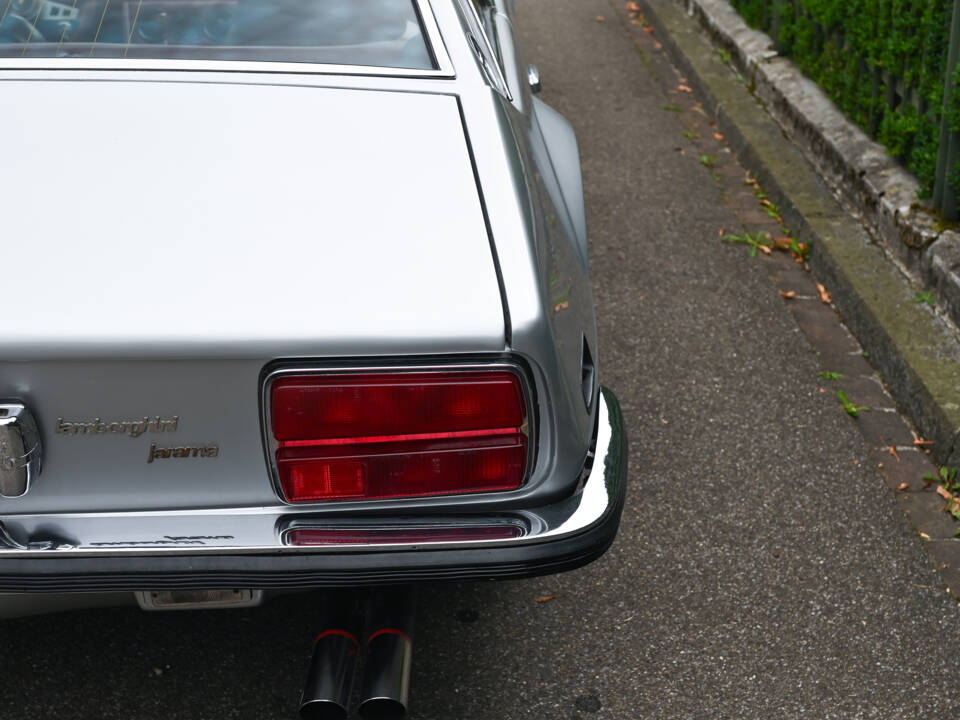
<point>326,694</point>
<point>388,651</point>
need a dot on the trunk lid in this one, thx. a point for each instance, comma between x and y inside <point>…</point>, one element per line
<point>163,241</point>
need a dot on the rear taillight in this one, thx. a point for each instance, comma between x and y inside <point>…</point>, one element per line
<point>403,434</point>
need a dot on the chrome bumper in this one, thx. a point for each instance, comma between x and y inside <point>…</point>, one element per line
<point>257,547</point>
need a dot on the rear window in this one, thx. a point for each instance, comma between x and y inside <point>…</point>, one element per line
<point>380,33</point>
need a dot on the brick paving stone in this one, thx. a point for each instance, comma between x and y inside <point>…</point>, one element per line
<point>819,323</point>
<point>946,556</point>
<point>910,468</point>
<point>865,390</point>
<point>883,429</point>
<point>925,512</point>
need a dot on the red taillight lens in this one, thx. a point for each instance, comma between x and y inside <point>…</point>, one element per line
<point>383,435</point>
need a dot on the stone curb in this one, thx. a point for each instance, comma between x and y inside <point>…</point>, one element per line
<point>881,190</point>
<point>916,350</point>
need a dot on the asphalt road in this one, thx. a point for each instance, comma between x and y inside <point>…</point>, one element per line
<point>762,570</point>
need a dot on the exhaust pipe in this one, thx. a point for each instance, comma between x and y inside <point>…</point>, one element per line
<point>386,680</point>
<point>326,693</point>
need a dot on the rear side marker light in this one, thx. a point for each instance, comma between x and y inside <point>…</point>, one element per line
<point>355,436</point>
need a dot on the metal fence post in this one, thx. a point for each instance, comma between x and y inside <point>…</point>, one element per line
<point>945,196</point>
<point>776,22</point>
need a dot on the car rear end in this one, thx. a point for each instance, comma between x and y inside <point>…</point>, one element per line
<point>264,334</point>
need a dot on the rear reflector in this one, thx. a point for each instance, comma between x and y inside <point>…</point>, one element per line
<point>389,435</point>
<point>396,536</point>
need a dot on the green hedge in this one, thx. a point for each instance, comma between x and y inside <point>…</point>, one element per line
<point>882,61</point>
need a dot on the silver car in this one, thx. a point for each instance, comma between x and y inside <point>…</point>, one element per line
<point>296,295</point>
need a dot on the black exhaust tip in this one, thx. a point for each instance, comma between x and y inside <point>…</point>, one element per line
<point>323,710</point>
<point>386,680</point>
<point>382,709</point>
<point>326,694</point>
<point>389,648</point>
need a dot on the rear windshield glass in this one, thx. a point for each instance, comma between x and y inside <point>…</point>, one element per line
<point>381,33</point>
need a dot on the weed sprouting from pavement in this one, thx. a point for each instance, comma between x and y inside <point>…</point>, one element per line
<point>947,477</point>
<point>852,409</point>
<point>757,241</point>
<point>799,249</point>
<point>925,297</point>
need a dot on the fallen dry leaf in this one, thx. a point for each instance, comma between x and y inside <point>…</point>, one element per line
<point>561,306</point>
<point>927,484</point>
<point>649,30</point>
<point>765,249</point>
<point>822,391</point>
<point>824,295</point>
<point>657,45</point>
<point>924,536</point>
<point>903,486</point>
<point>633,7</point>
<point>893,451</point>
<point>944,493</point>
<point>721,231</point>
<point>600,18</point>
<point>685,88</point>
<point>546,598</point>
<point>917,440</point>
<point>766,203</point>
<point>782,243</point>
<point>788,294</point>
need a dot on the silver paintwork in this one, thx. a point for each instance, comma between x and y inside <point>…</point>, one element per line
<point>20,450</point>
<point>483,51</point>
<point>256,530</point>
<point>426,219</point>
<point>248,242</point>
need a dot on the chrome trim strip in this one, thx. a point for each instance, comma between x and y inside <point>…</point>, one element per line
<point>260,530</point>
<point>436,47</point>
